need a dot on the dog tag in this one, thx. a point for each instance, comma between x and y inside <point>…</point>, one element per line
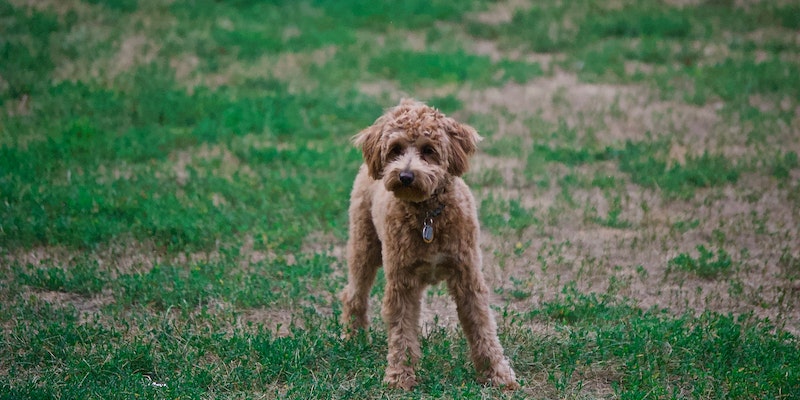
<point>427,231</point>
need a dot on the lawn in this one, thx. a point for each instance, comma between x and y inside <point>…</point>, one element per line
<point>174,183</point>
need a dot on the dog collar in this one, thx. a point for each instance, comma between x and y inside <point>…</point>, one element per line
<point>427,224</point>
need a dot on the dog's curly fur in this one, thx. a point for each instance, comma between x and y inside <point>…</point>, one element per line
<point>413,159</point>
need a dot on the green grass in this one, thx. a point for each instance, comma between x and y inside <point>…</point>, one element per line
<point>174,183</point>
<point>706,265</point>
<point>647,165</point>
<point>650,353</point>
<point>83,205</point>
<point>194,353</point>
<point>498,215</point>
<point>600,38</point>
<point>414,68</point>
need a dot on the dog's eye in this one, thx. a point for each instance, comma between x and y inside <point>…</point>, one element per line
<point>428,151</point>
<point>395,151</point>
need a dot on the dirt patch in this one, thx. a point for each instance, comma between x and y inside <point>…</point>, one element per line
<point>289,67</point>
<point>438,310</point>
<point>612,113</point>
<point>754,221</point>
<point>274,320</point>
<point>292,66</point>
<point>88,307</point>
<point>38,256</point>
<point>58,6</point>
<point>134,50</point>
<point>228,166</point>
<point>490,48</point>
<point>185,65</point>
<point>118,257</point>
<point>634,262</point>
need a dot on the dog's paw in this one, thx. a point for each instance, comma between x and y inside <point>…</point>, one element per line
<point>347,334</point>
<point>400,378</point>
<point>501,375</point>
<point>509,384</point>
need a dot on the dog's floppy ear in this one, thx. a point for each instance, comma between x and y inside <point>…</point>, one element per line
<point>464,140</point>
<point>369,141</point>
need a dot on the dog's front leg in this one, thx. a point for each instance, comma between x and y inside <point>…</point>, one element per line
<point>363,261</point>
<point>401,307</point>
<point>471,296</point>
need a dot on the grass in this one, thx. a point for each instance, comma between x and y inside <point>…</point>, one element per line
<point>600,39</point>
<point>412,68</point>
<point>174,182</point>
<point>705,265</point>
<point>647,164</point>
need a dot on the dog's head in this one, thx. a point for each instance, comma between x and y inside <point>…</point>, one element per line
<point>415,149</point>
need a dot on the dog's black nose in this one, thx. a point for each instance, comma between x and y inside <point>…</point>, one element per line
<point>406,178</point>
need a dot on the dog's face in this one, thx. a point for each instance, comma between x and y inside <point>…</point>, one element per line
<point>415,149</point>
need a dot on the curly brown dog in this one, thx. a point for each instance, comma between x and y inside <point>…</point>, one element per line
<point>412,213</point>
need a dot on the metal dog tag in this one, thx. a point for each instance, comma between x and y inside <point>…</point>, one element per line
<point>427,231</point>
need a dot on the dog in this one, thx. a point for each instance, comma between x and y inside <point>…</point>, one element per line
<point>411,213</point>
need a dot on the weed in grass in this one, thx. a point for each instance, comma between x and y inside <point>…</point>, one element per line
<point>520,247</point>
<point>521,289</point>
<point>706,265</point>
<point>613,218</point>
